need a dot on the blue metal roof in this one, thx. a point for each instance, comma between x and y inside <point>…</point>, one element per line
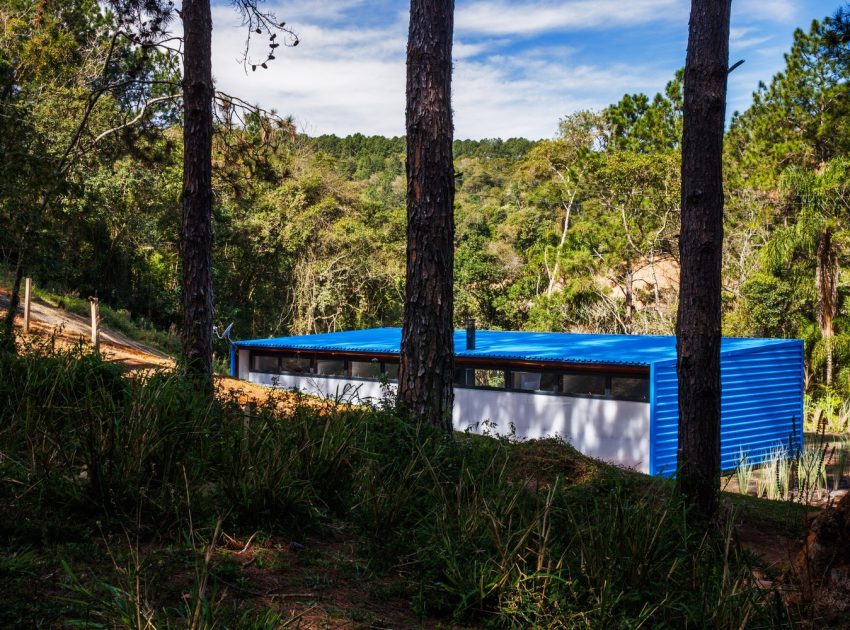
<point>638,350</point>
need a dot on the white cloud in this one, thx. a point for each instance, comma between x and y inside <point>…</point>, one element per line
<point>348,73</point>
<point>341,80</point>
<point>337,80</point>
<point>463,50</point>
<point>765,10</point>
<point>529,17</point>
<point>526,95</point>
<point>746,37</point>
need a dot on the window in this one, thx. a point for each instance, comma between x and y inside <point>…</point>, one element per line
<point>630,388</point>
<point>535,381</point>
<point>479,377</point>
<point>391,371</point>
<point>294,365</point>
<point>331,367</point>
<point>464,377</point>
<point>366,369</point>
<point>265,363</point>
<point>583,384</point>
<point>489,378</point>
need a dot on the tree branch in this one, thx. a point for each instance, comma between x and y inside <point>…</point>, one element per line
<point>137,118</point>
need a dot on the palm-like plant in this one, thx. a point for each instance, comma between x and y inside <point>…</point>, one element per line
<point>820,230</point>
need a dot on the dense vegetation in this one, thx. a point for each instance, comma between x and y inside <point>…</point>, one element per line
<point>574,233</point>
<point>117,490</point>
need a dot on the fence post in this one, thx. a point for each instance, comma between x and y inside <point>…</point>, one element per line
<point>247,414</point>
<point>95,323</point>
<point>27,300</point>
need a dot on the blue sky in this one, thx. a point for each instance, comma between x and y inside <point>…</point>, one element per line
<point>520,65</point>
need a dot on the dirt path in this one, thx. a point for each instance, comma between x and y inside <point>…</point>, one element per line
<point>67,329</point>
<point>50,318</point>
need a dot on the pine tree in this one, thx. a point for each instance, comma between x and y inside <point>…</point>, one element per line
<point>427,345</point>
<point>701,245</point>
<point>196,227</point>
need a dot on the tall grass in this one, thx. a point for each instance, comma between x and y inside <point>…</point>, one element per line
<point>841,458</point>
<point>775,480</point>
<point>473,529</point>
<point>743,472</point>
<point>810,467</point>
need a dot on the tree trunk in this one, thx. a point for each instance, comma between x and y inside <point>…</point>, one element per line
<point>196,229</point>
<point>826,281</point>
<point>7,338</point>
<point>553,276</point>
<point>698,324</point>
<point>427,343</point>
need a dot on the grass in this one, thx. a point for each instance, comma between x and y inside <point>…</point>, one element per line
<point>805,474</point>
<point>744,472</point>
<point>135,496</point>
<point>784,518</point>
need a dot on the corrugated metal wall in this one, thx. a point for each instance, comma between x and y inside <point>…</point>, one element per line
<point>762,405</point>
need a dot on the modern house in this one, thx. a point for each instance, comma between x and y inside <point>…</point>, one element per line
<point>613,397</point>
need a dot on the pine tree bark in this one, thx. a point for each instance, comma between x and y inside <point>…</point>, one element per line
<point>698,324</point>
<point>196,229</point>
<point>826,283</point>
<point>427,344</point>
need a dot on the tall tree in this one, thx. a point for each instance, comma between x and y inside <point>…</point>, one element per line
<point>71,76</point>
<point>427,343</point>
<point>801,117</point>
<point>196,231</point>
<point>701,245</point>
<point>196,227</point>
<point>819,234</point>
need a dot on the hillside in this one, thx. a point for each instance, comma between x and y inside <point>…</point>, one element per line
<point>321,569</point>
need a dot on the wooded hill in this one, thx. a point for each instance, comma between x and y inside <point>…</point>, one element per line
<point>579,232</point>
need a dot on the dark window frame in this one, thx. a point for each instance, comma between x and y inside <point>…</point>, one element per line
<point>559,391</point>
<point>372,360</point>
<point>508,368</point>
<point>254,355</point>
<point>314,366</point>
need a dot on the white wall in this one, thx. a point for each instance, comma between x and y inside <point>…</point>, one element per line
<point>612,430</point>
<point>243,358</point>
<point>349,390</point>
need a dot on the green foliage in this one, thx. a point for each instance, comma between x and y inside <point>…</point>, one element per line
<point>768,306</point>
<point>299,472</point>
<point>644,126</point>
<point>518,534</point>
<point>800,117</point>
<point>574,233</point>
<point>560,556</point>
<point>122,441</point>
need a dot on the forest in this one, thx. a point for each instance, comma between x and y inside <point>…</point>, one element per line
<point>145,490</point>
<point>575,233</point>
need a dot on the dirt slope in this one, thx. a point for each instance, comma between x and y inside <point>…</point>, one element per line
<point>70,325</point>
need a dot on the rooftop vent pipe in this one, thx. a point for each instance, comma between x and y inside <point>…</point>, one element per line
<point>470,334</point>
